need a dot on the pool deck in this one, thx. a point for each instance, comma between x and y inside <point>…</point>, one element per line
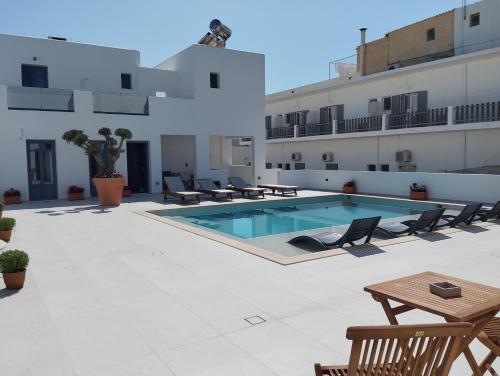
<point>110,292</point>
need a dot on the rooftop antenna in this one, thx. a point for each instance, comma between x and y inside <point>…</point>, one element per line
<point>217,36</point>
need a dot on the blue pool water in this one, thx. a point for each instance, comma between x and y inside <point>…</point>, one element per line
<point>252,220</point>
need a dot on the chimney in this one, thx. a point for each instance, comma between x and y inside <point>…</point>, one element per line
<point>362,51</point>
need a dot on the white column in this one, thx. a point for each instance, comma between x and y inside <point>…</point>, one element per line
<point>295,131</point>
<point>451,115</point>
<point>385,121</point>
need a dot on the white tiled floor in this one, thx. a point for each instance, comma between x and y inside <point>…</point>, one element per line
<point>110,292</point>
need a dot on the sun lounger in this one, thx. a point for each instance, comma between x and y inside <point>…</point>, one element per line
<point>485,214</point>
<point>283,189</point>
<point>359,228</point>
<point>175,187</point>
<point>466,216</point>
<point>208,186</point>
<point>403,350</point>
<point>426,222</point>
<point>238,184</point>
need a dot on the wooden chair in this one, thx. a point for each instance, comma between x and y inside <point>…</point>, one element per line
<point>400,350</point>
<point>490,337</point>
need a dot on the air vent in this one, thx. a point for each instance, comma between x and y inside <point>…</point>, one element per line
<point>327,157</point>
<point>296,156</point>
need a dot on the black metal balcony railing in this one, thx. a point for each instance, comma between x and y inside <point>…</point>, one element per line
<point>476,113</point>
<point>434,117</point>
<point>281,132</point>
<point>363,124</point>
<point>319,129</point>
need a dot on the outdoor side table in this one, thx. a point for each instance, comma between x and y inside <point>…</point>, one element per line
<point>478,303</point>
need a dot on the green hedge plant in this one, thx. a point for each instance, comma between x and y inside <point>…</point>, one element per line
<point>13,261</point>
<point>7,224</point>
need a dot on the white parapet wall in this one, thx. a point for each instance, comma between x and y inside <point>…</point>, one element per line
<point>440,186</point>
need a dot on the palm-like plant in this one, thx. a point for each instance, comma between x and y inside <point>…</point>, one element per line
<point>113,148</point>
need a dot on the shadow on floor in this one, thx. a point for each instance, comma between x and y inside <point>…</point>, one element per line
<point>96,210</point>
<point>4,293</point>
<point>433,236</point>
<point>364,250</point>
<point>474,229</point>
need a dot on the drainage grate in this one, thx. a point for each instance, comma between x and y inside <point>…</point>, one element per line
<point>254,320</point>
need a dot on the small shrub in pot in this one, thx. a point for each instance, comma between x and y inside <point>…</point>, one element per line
<point>418,192</point>
<point>6,226</point>
<point>75,193</point>
<point>349,187</point>
<point>13,264</point>
<point>12,196</point>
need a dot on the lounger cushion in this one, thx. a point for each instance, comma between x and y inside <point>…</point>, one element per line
<point>327,238</point>
<point>278,186</point>
<point>189,193</point>
<point>394,227</point>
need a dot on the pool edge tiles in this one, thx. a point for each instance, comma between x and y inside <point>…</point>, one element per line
<point>270,255</point>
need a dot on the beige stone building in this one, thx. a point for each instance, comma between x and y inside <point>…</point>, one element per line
<point>426,40</point>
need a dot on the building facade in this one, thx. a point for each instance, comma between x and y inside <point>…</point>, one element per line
<point>184,113</point>
<point>437,116</point>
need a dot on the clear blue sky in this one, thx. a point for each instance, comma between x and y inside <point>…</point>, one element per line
<point>298,37</point>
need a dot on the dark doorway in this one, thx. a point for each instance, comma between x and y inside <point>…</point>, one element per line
<point>42,172</point>
<point>93,168</point>
<point>138,166</point>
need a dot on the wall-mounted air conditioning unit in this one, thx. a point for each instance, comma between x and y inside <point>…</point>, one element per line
<point>296,156</point>
<point>403,156</point>
<point>327,157</point>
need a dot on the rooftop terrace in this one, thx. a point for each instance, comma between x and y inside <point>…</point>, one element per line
<point>110,292</point>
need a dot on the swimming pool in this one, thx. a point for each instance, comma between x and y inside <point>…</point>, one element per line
<point>272,218</point>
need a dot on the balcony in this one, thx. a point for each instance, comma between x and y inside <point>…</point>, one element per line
<point>314,129</point>
<point>120,104</point>
<point>364,124</point>
<point>476,113</point>
<point>429,118</point>
<point>40,99</point>
<point>281,132</point>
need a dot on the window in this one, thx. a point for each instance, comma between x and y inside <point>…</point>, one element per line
<point>373,106</point>
<point>34,75</point>
<point>126,81</point>
<point>268,122</point>
<point>300,166</point>
<point>431,34</point>
<point>474,20</point>
<point>280,165</point>
<point>387,103</point>
<point>332,166</point>
<point>372,167</point>
<point>269,166</point>
<point>384,167</point>
<point>287,166</point>
<point>214,80</point>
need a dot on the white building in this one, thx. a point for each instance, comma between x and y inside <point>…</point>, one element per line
<point>432,117</point>
<point>183,114</point>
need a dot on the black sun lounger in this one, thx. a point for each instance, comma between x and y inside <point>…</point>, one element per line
<point>238,184</point>
<point>426,222</point>
<point>485,214</point>
<point>175,187</point>
<point>208,186</point>
<point>466,216</point>
<point>359,229</point>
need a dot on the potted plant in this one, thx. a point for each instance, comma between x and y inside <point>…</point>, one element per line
<point>349,187</point>
<point>418,192</point>
<point>127,192</point>
<point>108,182</point>
<point>6,226</point>
<point>13,266</point>
<point>75,193</point>
<point>12,196</point>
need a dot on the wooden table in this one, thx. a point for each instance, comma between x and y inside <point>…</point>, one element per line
<point>477,305</point>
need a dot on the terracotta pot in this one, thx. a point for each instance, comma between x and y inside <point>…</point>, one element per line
<point>11,200</point>
<point>109,190</point>
<point>14,281</point>
<point>127,193</point>
<point>421,196</point>
<point>349,189</point>
<point>5,235</point>
<point>75,196</point>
